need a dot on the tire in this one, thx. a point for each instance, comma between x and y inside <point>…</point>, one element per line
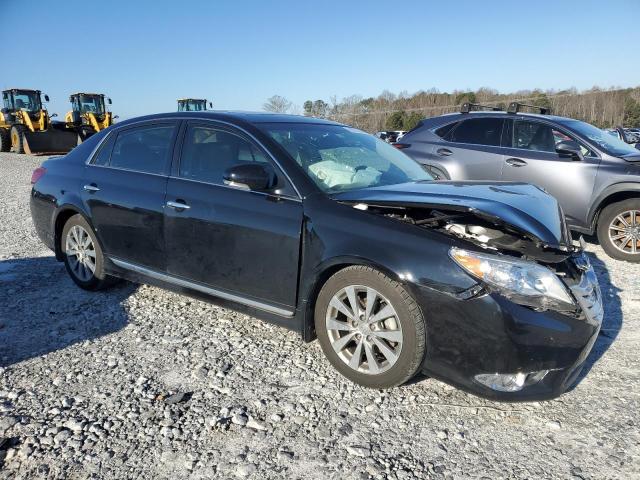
<point>402,334</point>
<point>17,139</point>
<point>611,225</point>
<point>5,140</point>
<point>436,172</point>
<point>80,271</point>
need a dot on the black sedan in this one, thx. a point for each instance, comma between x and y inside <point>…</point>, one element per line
<point>326,230</point>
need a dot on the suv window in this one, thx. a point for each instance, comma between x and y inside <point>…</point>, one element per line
<point>445,132</point>
<point>478,131</point>
<point>208,152</point>
<point>143,149</point>
<point>531,135</point>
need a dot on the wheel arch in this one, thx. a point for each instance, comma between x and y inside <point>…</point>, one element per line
<point>613,194</point>
<point>64,213</point>
<point>323,273</point>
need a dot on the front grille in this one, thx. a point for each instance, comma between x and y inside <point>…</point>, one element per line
<point>588,295</point>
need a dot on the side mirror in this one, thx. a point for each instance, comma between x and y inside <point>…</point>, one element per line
<point>46,98</point>
<point>53,115</point>
<point>210,105</point>
<point>117,116</point>
<point>570,148</point>
<point>109,100</point>
<point>250,176</point>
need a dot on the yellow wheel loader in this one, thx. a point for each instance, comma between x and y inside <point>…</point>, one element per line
<point>88,114</point>
<point>26,127</point>
<point>193,104</point>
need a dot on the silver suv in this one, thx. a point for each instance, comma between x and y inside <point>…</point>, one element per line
<point>595,176</point>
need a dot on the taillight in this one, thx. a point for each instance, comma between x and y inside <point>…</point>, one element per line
<point>401,146</point>
<point>37,174</point>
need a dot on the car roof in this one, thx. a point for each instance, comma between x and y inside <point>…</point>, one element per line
<point>234,116</point>
<point>492,113</point>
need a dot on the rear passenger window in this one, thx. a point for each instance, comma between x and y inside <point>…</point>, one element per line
<point>208,152</point>
<point>104,153</point>
<point>479,131</point>
<point>445,132</point>
<point>143,149</point>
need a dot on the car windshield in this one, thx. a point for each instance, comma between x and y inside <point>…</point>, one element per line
<point>606,141</point>
<point>29,101</point>
<point>91,104</point>
<point>339,158</point>
<point>192,105</point>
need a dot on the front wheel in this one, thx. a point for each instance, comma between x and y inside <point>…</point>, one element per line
<point>83,256</point>
<point>370,328</point>
<point>619,230</point>
<point>17,139</point>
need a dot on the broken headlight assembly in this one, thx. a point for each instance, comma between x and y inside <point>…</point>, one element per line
<point>523,282</point>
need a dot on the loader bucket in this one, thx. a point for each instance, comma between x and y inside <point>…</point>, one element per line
<point>50,142</point>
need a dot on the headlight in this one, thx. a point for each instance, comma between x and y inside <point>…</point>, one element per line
<point>526,283</point>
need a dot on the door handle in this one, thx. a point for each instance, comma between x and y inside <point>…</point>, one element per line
<point>445,152</point>
<point>516,162</point>
<point>91,188</point>
<point>178,205</point>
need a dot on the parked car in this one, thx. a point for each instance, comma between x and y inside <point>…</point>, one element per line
<point>595,177</point>
<point>390,136</point>
<point>328,231</point>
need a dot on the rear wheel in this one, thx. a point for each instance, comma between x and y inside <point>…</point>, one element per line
<point>619,230</point>
<point>83,256</point>
<point>370,328</point>
<point>17,139</point>
<point>5,140</point>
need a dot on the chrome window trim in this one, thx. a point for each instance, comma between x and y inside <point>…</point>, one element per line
<point>267,194</point>
<point>213,121</point>
<point>201,288</point>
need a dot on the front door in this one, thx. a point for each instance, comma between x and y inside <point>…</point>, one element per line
<point>242,242</point>
<point>124,189</point>
<point>531,157</point>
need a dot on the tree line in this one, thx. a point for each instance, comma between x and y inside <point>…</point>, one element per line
<point>603,108</point>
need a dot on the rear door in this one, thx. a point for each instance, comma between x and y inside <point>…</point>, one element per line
<point>241,242</point>
<point>470,149</point>
<point>124,191</point>
<point>531,157</point>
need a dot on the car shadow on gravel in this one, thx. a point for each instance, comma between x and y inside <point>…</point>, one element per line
<point>42,310</point>
<point>612,321</point>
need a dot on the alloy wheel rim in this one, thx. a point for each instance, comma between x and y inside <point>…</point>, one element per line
<point>364,329</point>
<point>81,253</point>
<point>624,232</point>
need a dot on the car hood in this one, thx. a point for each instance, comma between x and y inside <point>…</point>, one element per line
<point>522,206</point>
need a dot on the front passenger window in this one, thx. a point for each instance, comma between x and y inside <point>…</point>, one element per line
<point>208,152</point>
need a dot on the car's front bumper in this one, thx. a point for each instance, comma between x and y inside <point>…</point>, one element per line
<point>490,334</point>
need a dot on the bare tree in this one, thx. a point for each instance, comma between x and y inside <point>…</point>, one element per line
<point>277,104</point>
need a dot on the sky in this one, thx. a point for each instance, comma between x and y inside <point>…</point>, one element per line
<point>145,54</point>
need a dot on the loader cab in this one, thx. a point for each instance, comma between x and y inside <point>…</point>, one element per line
<point>22,100</point>
<point>88,103</point>
<point>193,105</point>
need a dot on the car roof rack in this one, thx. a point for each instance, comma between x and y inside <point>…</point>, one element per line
<point>515,107</point>
<point>470,107</point>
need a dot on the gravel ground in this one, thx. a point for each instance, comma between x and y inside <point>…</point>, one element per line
<point>137,382</point>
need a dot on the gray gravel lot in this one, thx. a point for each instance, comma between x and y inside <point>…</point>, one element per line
<point>137,382</point>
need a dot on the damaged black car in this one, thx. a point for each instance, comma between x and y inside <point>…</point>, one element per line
<point>328,231</point>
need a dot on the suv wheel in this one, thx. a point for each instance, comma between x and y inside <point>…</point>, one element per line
<point>619,230</point>
<point>82,255</point>
<point>370,328</point>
